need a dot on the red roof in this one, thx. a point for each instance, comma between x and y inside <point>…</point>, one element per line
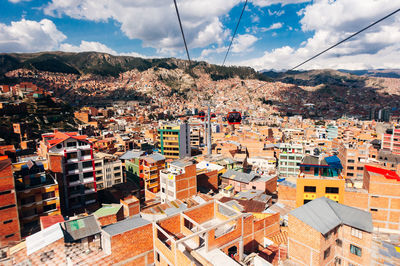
<point>47,221</point>
<point>59,137</point>
<point>381,171</point>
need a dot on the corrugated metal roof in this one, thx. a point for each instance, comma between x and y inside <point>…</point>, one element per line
<point>131,155</point>
<point>324,214</point>
<point>125,225</point>
<point>81,228</point>
<point>43,238</point>
<point>239,176</point>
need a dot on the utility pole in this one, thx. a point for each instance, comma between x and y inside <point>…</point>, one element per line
<point>208,128</point>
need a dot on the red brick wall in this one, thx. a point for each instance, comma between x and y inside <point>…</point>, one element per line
<point>171,225</point>
<point>10,229</point>
<point>208,180</point>
<point>106,220</point>
<point>202,214</point>
<point>270,186</point>
<point>133,243</point>
<point>59,254</point>
<point>287,195</point>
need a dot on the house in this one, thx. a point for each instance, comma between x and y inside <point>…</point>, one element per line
<point>324,232</point>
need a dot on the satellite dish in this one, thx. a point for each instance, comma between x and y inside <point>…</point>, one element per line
<point>316,152</point>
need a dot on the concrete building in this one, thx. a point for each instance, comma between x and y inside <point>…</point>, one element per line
<point>9,223</point>
<point>353,157</point>
<point>323,232</point>
<point>71,161</point>
<point>37,195</point>
<point>178,181</point>
<point>174,141</point>
<point>332,132</point>
<point>108,170</point>
<point>290,156</point>
<point>242,181</point>
<point>391,141</point>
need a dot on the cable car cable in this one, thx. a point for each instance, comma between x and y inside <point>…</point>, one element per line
<point>183,34</point>
<point>351,36</point>
<point>234,33</point>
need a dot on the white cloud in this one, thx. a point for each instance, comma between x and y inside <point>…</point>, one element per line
<point>243,42</point>
<point>277,13</point>
<point>255,18</point>
<point>332,21</point>
<point>154,21</point>
<point>30,36</point>
<point>274,26</point>
<point>263,3</point>
<point>87,47</point>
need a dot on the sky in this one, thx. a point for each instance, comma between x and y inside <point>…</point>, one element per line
<point>273,34</point>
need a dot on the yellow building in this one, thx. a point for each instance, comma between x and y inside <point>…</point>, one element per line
<point>308,189</point>
<point>174,141</point>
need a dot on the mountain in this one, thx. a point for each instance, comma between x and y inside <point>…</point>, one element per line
<point>382,73</point>
<point>108,65</point>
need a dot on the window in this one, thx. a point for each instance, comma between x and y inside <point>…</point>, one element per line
<point>350,161</point>
<point>50,207</point>
<point>232,251</point>
<point>350,174</point>
<point>5,192</point>
<point>48,195</point>
<point>333,190</point>
<point>373,210</point>
<point>360,168</point>
<point>7,206</point>
<point>158,256</point>
<point>8,221</point>
<point>355,250</point>
<point>356,233</point>
<point>71,144</point>
<point>306,201</point>
<point>10,235</point>
<point>307,169</point>
<point>327,252</point>
<point>310,189</point>
<point>163,190</point>
<point>339,242</point>
<point>350,167</point>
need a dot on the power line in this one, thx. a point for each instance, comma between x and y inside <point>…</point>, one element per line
<point>351,36</point>
<point>183,35</point>
<point>234,33</point>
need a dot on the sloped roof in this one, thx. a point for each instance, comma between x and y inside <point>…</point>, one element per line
<point>125,225</point>
<point>388,174</point>
<point>107,209</point>
<point>43,238</point>
<point>131,155</point>
<point>239,176</point>
<point>324,214</point>
<point>80,228</point>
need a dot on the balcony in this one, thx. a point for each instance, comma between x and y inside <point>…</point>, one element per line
<point>72,160</point>
<point>88,180</point>
<point>90,191</point>
<point>90,202</point>
<point>74,171</point>
<point>86,157</point>
<point>88,169</point>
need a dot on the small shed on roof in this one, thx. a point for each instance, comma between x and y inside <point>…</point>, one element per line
<point>80,228</point>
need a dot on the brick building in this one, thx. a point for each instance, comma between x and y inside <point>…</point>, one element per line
<point>323,232</point>
<point>9,223</point>
<point>178,181</point>
<point>243,181</point>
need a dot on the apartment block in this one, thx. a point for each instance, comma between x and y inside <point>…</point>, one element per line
<point>290,156</point>
<point>391,140</point>
<point>174,141</point>
<point>71,161</point>
<point>108,169</point>
<point>37,195</point>
<point>9,223</point>
<point>323,232</point>
<point>178,181</point>
<point>353,157</point>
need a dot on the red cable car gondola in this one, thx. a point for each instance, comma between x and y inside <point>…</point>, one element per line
<point>234,118</point>
<point>202,115</point>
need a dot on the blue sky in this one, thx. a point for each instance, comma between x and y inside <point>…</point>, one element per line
<point>273,34</point>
